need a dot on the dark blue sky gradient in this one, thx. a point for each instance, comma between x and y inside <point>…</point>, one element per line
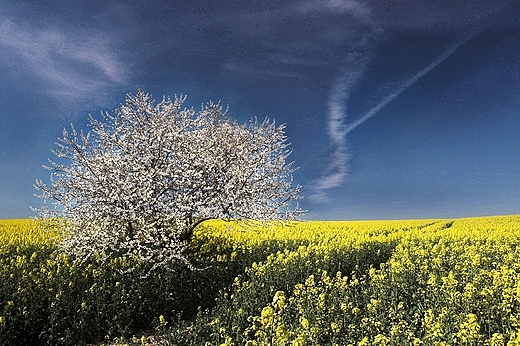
<point>446,144</point>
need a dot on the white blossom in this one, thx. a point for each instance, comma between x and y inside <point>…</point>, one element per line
<point>148,174</point>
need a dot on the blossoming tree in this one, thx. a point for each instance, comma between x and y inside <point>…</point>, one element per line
<point>147,175</point>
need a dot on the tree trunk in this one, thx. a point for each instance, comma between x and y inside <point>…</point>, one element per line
<point>188,233</point>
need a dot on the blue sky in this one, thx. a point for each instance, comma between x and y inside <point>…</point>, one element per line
<point>395,109</point>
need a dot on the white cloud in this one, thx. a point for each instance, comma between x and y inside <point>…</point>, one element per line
<point>71,65</point>
<point>337,171</point>
<point>339,124</point>
<point>352,7</point>
<point>337,116</point>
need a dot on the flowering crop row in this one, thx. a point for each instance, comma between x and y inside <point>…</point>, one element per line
<point>424,282</point>
<point>416,282</point>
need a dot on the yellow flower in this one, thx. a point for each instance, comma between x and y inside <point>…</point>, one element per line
<point>372,306</point>
<point>497,340</point>
<point>310,281</point>
<point>305,323</point>
<point>469,291</point>
<point>364,342</point>
<point>380,339</point>
<point>299,341</point>
<point>162,321</point>
<point>279,299</point>
<point>469,329</point>
<point>321,301</point>
<point>267,316</point>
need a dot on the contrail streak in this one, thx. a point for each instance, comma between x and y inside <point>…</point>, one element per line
<point>408,83</point>
<point>337,112</point>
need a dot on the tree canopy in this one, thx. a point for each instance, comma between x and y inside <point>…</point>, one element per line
<point>146,175</point>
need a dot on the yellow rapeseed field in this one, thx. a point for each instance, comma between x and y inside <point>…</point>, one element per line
<point>24,232</point>
<point>416,282</point>
<point>402,282</point>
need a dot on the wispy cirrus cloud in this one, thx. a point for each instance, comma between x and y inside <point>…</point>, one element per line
<point>340,122</point>
<point>337,170</point>
<point>70,65</point>
<point>296,39</point>
<point>354,68</point>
